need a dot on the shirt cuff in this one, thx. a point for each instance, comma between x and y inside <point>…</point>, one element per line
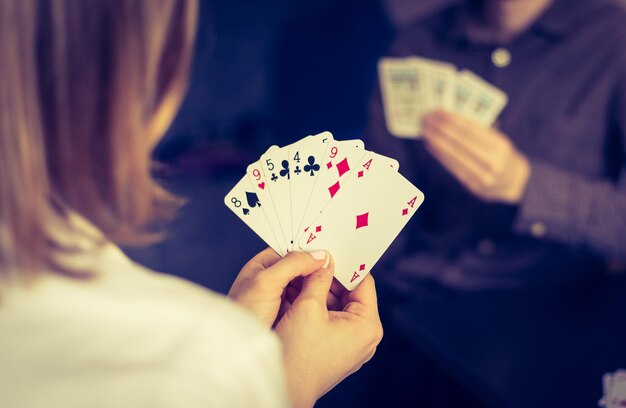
<point>553,205</point>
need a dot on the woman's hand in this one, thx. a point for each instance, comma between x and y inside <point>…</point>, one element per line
<point>322,346</point>
<point>261,284</point>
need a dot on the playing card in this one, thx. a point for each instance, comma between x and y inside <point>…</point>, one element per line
<point>275,167</point>
<point>607,386</point>
<point>260,185</point>
<point>617,393</point>
<point>607,383</point>
<point>244,202</point>
<point>486,101</point>
<point>402,89</point>
<point>330,189</point>
<point>363,221</point>
<point>439,77</point>
<point>305,159</point>
<point>340,158</point>
<point>462,94</point>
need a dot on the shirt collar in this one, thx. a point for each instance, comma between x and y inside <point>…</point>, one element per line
<point>560,19</point>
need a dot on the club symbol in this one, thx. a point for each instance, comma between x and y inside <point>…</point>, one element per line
<point>253,199</point>
<point>312,167</point>
<point>285,170</point>
<point>274,178</point>
<point>297,170</point>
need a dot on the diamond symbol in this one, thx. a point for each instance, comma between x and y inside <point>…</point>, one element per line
<point>362,220</point>
<point>405,211</point>
<point>362,267</point>
<point>343,167</point>
<point>318,228</point>
<point>360,173</point>
<point>333,189</point>
<point>329,165</point>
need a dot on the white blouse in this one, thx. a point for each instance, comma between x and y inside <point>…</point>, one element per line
<point>131,337</point>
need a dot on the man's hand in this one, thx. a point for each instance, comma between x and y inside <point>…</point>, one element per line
<point>483,160</point>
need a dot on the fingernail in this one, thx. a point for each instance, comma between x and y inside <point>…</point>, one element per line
<point>319,255</point>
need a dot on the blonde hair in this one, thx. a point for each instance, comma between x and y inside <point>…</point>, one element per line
<point>80,84</point>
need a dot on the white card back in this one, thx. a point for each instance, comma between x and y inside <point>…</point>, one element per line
<point>402,90</point>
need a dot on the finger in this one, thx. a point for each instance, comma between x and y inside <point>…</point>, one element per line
<point>480,149</point>
<point>441,132</point>
<point>261,261</point>
<point>465,177</point>
<point>363,300</point>
<point>317,285</point>
<point>295,264</point>
<point>463,125</point>
<point>268,257</point>
<point>454,160</point>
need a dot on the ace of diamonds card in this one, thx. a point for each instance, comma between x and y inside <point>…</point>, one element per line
<point>358,227</point>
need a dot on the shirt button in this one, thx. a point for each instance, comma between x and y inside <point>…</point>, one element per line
<point>501,57</point>
<point>486,247</point>
<point>538,229</point>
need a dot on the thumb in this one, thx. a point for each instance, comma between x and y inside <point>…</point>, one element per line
<point>317,285</point>
<point>297,264</point>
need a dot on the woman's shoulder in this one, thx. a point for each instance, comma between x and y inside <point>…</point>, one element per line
<point>171,335</point>
<point>129,297</point>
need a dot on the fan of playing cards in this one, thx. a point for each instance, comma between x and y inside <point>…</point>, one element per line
<point>412,87</point>
<point>321,193</point>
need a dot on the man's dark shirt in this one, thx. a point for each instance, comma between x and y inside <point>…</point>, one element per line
<point>566,82</point>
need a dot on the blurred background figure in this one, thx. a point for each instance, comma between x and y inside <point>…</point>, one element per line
<point>504,279</point>
<point>494,297</point>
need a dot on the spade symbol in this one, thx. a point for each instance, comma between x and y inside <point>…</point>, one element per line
<point>246,211</point>
<point>312,167</point>
<point>253,199</point>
